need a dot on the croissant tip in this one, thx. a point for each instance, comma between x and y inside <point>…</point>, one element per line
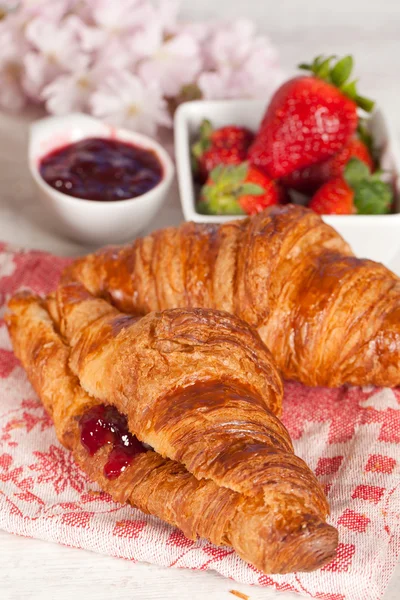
<point>305,550</point>
<point>316,550</point>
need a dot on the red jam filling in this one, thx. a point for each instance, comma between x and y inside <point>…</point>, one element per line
<point>101,169</point>
<point>103,425</point>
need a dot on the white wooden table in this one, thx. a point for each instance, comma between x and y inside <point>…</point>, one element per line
<point>38,570</point>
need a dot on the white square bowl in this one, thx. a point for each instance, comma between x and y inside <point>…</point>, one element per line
<point>371,236</point>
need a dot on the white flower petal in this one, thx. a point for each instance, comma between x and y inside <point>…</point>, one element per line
<point>38,72</point>
<point>124,99</point>
<point>168,13</point>
<point>122,15</point>
<point>58,43</point>
<point>48,9</point>
<point>176,64</point>
<point>68,93</point>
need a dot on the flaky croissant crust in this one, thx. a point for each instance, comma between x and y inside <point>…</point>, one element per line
<point>202,390</point>
<point>327,317</point>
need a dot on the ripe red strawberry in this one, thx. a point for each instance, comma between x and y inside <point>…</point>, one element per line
<point>254,203</point>
<point>233,190</point>
<point>334,198</point>
<point>357,191</point>
<point>226,145</point>
<point>309,119</point>
<point>308,180</point>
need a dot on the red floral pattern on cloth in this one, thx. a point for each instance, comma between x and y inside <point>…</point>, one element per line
<point>350,437</point>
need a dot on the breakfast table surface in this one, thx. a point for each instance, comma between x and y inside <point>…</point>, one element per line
<point>370,31</point>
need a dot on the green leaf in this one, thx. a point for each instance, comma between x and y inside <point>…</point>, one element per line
<point>205,129</point>
<point>206,192</point>
<point>350,89</point>
<point>194,164</point>
<point>304,67</point>
<point>203,207</point>
<point>251,189</point>
<point>356,170</point>
<point>377,175</point>
<point>314,66</point>
<point>342,71</point>
<point>365,103</point>
<point>216,173</point>
<point>324,68</point>
<point>225,205</point>
<point>198,149</point>
<point>365,135</point>
<point>237,173</point>
<point>373,197</point>
<point>339,75</point>
<point>229,176</point>
<point>318,60</point>
<point>203,143</point>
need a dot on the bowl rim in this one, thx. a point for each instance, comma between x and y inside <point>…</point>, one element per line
<point>105,131</point>
<point>181,134</point>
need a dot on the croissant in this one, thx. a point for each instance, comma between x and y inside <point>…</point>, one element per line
<point>201,393</point>
<point>327,317</point>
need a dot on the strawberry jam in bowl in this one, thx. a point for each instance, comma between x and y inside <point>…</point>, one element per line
<point>98,184</point>
<point>101,169</point>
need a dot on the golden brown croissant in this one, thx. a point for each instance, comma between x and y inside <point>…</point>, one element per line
<point>327,317</point>
<point>201,389</point>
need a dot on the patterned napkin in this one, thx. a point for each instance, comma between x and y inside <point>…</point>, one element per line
<point>349,436</point>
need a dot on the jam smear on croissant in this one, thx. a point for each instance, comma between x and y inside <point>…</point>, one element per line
<point>103,425</point>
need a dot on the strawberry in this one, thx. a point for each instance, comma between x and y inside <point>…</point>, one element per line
<point>308,180</point>
<point>227,145</point>
<point>357,191</point>
<point>236,190</point>
<point>335,197</point>
<point>309,119</point>
<point>254,203</point>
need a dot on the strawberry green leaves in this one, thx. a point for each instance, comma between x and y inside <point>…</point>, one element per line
<point>356,171</point>
<point>372,196</point>
<point>203,143</point>
<point>225,185</point>
<point>226,188</point>
<point>342,71</point>
<point>252,189</point>
<point>339,75</point>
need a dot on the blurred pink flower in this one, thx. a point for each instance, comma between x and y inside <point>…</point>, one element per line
<point>241,65</point>
<point>56,50</point>
<point>121,59</point>
<point>57,43</point>
<point>117,47</point>
<point>147,40</point>
<point>125,100</point>
<point>230,44</point>
<point>46,9</point>
<point>167,12</point>
<point>89,37</point>
<point>122,16</point>
<point>69,93</point>
<point>198,31</point>
<point>176,63</point>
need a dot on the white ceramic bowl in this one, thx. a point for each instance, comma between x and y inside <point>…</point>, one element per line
<point>371,236</point>
<point>88,221</point>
